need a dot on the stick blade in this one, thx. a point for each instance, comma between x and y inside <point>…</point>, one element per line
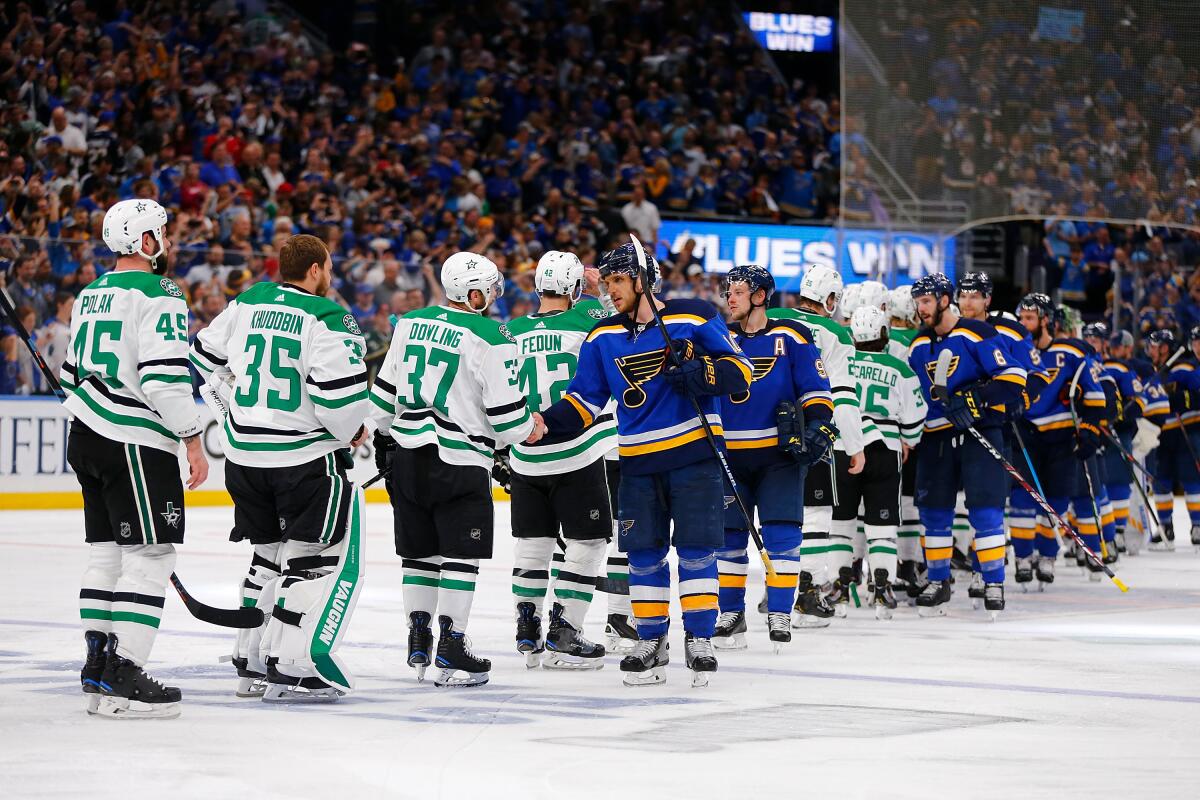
<point>941,376</point>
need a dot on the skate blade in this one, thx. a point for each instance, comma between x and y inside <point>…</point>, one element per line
<point>616,644</point>
<point>699,680</point>
<point>883,613</point>
<point>779,647</point>
<point>93,701</point>
<point>251,687</point>
<point>931,611</point>
<point>119,708</point>
<point>650,677</point>
<point>735,642</point>
<point>533,660</point>
<point>285,693</point>
<point>563,662</point>
<point>994,615</point>
<point>450,679</point>
<point>805,621</point>
<point>841,610</point>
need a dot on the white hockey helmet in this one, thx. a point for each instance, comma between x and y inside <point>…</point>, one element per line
<point>868,323</point>
<point>561,273</point>
<point>850,300</point>
<point>464,272</point>
<point>818,283</point>
<point>125,223</point>
<point>872,293</point>
<point>900,304</point>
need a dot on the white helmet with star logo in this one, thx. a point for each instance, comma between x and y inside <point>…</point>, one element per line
<point>464,272</point>
<point>561,273</point>
<point>128,220</point>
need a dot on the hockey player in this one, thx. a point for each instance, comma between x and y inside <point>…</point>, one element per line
<point>1175,462</point>
<point>774,432</point>
<point>893,413</point>
<point>981,381</point>
<point>1056,447</point>
<point>873,294</point>
<point>820,290</point>
<point>558,485</point>
<point>1153,410</point>
<point>287,365</point>
<point>909,549</point>
<point>448,395</point>
<point>1112,473</point>
<point>669,471</point>
<point>130,394</point>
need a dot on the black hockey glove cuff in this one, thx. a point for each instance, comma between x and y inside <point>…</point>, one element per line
<point>501,471</point>
<point>385,447</point>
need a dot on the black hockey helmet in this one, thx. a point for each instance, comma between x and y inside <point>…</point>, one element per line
<point>1039,302</point>
<point>935,284</point>
<point>1194,334</point>
<point>976,281</point>
<point>1095,330</point>
<point>755,276</point>
<point>624,261</point>
<point>1163,336</point>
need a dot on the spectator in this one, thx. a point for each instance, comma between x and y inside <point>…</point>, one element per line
<point>54,338</point>
<point>641,217</point>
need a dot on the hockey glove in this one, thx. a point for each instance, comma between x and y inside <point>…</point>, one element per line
<point>1183,400</point>
<point>789,420</point>
<point>385,447</point>
<point>697,377</point>
<point>819,437</point>
<point>964,409</point>
<point>345,459</point>
<point>501,471</point>
<point>683,348</point>
<point>1087,441</point>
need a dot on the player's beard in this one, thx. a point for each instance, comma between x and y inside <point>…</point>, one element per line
<point>159,264</point>
<point>322,287</point>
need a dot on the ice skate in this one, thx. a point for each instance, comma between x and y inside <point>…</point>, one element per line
<point>811,610</point>
<point>883,598</point>
<point>420,643</point>
<point>1024,573</point>
<point>762,605</point>
<point>731,631</point>
<point>529,634</point>
<point>934,599</point>
<point>910,573</point>
<point>779,628</point>
<point>567,649</point>
<point>1094,571</point>
<point>93,667</point>
<point>127,692</point>
<point>1164,539</point>
<point>454,656</point>
<point>251,683</point>
<point>621,634</point>
<point>975,590</point>
<point>1111,556</point>
<point>839,595</point>
<point>647,664</point>
<point>993,599</point>
<point>1196,536</point>
<point>699,657</point>
<point>282,688</point>
<point>1119,541</point>
<point>1045,573</point>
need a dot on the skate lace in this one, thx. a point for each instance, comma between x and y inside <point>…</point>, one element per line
<point>727,619</point>
<point>994,591</point>
<point>931,589</point>
<point>645,648</point>
<point>152,681</point>
<point>700,648</point>
<point>777,621</point>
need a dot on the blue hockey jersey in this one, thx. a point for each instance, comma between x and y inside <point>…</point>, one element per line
<point>657,426</point>
<point>1050,414</point>
<point>978,360</point>
<point>1184,376</point>
<point>1129,393</point>
<point>787,366</point>
<point>1019,344</point>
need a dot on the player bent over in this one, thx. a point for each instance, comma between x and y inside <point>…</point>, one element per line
<point>286,364</point>
<point>130,394</point>
<point>669,471</point>
<point>448,396</point>
<point>773,433</point>
<point>980,381</point>
<point>559,484</point>
<point>893,412</point>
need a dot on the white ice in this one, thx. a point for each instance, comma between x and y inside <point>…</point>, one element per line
<point>1078,692</point>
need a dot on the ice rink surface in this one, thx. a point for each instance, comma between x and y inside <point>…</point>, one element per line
<point>1078,692</point>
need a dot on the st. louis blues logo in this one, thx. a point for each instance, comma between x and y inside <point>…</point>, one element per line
<point>636,370</point>
<point>931,368</point>
<point>729,500</point>
<point>761,368</point>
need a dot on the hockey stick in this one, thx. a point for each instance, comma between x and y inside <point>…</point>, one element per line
<point>941,393</point>
<point>225,618</point>
<point>1087,473</point>
<point>1158,373</point>
<point>648,288</point>
<point>1131,463</point>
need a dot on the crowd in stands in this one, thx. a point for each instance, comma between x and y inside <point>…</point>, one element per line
<point>531,127</point>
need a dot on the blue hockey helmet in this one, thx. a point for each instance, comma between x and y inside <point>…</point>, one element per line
<point>754,276</point>
<point>1194,334</point>
<point>1095,330</point>
<point>977,281</point>
<point>1039,302</point>
<point>935,284</point>
<point>1163,336</point>
<point>624,261</point>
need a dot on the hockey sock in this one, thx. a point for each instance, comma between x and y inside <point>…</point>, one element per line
<point>1164,501</point>
<point>939,541</point>
<point>732,566</point>
<point>1192,496</point>
<point>1022,526</point>
<point>881,547</point>
<point>138,598</point>
<point>1047,531</point>
<point>422,576</point>
<point>1086,523</point>
<point>258,591</point>
<point>783,546</point>
<point>814,550</point>
<point>650,591</point>
<point>616,582</point>
<point>456,590</point>
<point>841,545</point>
<point>989,542</point>
<point>698,590</point>
<point>860,539</point>
<point>559,556</point>
<point>96,588</point>
<point>531,570</point>
<point>576,581</point>
<point>1108,525</point>
<point>1118,495</point>
<point>908,537</point>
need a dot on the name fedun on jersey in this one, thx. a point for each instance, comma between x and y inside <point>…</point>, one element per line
<point>300,390</point>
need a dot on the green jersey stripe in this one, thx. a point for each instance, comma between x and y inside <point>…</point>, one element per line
<point>83,393</point>
<point>523,454</point>
<point>167,378</point>
<point>339,402</point>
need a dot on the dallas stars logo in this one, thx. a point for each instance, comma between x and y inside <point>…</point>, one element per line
<point>472,264</point>
<point>172,515</point>
<point>140,207</point>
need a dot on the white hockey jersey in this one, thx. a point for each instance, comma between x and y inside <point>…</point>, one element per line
<point>837,351</point>
<point>889,398</point>
<point>450,379</point>
<point>126,375</point>
<point>299,382</point>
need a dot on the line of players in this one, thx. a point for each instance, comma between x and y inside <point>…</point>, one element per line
<point>811,421</point>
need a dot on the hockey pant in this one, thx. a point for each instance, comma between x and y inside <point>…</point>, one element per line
<point>1174,464</point>
<point>575,565</point>
<point>258,591</point>
<point>877,490</point>
<point>314,602</point>
<point>1118,480</point>
<point>123,592</point>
